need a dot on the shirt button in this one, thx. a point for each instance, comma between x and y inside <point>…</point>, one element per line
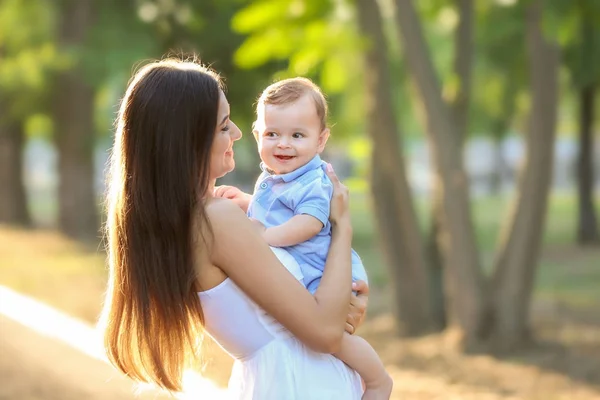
<point>264,185</point>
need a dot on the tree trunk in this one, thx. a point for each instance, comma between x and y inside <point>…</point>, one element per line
<point>463,61</point>
<point>499,129</point>
<point>74,132</point>
<point>439,278</point>
<point>496,176</point>
<point>463,55</point>
<point>395,212</point>
<point>13,200</point>
<point>520,244</point>
<point>457,238</point>
<point>587,227</point>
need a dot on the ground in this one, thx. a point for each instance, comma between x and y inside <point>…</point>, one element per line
<point>36,367</point>
<point>562,363</point>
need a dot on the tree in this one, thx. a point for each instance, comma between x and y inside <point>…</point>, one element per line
<point>91,39</point>
<point>394,208</point>
<point>459,105</point>
<point>456,237</point>
<point>582,60</point>
<point>13,201</point>
<point>73,113</point>
<point>515,265</point>
<point>587,222</point>
<point>26,57</point>
<point>502,316</point>
<point>500,78</point>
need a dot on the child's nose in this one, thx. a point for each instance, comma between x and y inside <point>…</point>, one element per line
<point>283,142</point>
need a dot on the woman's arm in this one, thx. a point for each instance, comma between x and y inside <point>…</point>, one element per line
<point>244,256</point>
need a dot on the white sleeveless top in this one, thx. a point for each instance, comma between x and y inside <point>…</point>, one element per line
<point>270,362</point>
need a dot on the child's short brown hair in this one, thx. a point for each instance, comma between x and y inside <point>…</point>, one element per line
<point>289,90</point>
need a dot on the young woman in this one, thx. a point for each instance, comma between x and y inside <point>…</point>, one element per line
<point>183,262</point>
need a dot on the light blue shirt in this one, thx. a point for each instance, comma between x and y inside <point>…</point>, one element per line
<point>307,190</point>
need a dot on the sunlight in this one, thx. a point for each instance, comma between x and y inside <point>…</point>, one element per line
<point>195,386</point>
<point>82,336</point>
<point>506,2</point>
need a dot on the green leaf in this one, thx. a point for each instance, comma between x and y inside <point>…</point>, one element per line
<point>259,16</point>
<point>334,75</point>
<point>306,60</point>
<point>261,48</point>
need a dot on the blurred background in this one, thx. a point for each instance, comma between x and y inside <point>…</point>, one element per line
<point>466,131</point>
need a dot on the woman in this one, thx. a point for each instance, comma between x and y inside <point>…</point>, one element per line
<point>172,243</point>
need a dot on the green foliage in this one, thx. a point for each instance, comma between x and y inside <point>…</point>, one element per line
<point>278,29</point>
<point>253,42</point>
<point>500,70</point>
<point>576,27</point>
<point>316,39</point>
<point>116,41</point>
<point>440,19</point>
<point>28,55</point>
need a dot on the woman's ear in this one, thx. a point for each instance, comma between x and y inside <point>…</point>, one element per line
<point>323,136</point>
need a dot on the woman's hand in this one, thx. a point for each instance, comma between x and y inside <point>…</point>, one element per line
<point>358,306</point>
<point>340,200</point>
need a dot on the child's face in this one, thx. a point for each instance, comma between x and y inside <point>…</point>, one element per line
<point>289,135</point>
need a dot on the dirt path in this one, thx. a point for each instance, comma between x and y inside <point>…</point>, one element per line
<point>36,367</point>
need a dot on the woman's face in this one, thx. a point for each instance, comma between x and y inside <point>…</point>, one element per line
<point>226,132</point>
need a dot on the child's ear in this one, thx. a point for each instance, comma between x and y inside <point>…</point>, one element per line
<point>255,131</point>
<point>323,136</point>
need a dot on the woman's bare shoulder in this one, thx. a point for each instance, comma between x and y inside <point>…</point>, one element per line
<point>221,214</point>
<point>221,211</point>
<point>226,219</point>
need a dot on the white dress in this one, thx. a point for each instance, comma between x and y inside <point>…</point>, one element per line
<point>270,363</point>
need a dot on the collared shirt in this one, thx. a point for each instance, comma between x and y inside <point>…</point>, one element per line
<point>306,190</point>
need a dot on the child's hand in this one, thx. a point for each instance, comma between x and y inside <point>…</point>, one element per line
<point>340,209</point>
<point>232,193</point>
<point>227,192</point>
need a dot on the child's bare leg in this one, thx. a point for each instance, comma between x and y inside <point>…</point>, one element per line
<point>360,356</point>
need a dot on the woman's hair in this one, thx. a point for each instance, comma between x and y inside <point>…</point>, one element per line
<point>289,90</point>
<point>159,172</point>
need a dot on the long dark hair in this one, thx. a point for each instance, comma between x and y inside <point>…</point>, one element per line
<point>159,173</point>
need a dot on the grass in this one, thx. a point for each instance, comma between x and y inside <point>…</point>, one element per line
<point>571,278</point>
<point>53,269</point>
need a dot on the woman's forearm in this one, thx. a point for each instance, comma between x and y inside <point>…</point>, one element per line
<point>333,293</point>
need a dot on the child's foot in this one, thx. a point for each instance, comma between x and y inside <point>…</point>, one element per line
<point>380,391</point>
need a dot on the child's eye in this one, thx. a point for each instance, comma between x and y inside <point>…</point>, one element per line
<point>297,135</point>
<point>270,134</point>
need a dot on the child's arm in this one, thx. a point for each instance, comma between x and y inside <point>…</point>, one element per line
<point>361,357</point>
<point>298,229</point>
